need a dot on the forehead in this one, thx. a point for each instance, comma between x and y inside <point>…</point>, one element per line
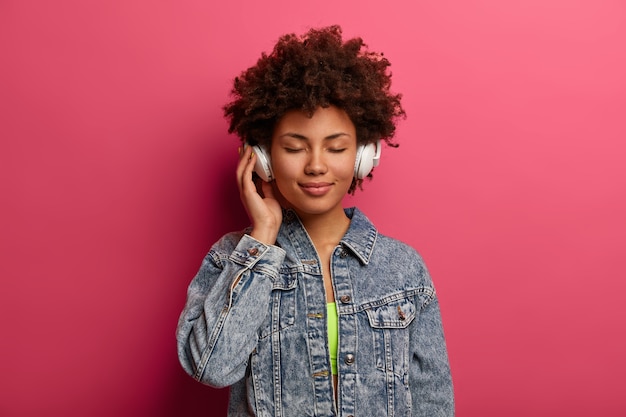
<point>325,121</point>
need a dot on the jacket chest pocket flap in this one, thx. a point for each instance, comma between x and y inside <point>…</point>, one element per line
<point>396,314</point>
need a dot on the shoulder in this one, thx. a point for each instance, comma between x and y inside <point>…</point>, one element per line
<point>364,237</point>
<point>394,247</point>
<point>394,270</point>
<point>404,267</point>
<point>398,253</point>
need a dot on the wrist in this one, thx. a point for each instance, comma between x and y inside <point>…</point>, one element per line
<point>265,236</point>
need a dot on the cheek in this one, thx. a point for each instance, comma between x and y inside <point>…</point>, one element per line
<point>284,171</point>
<point>344,169</point>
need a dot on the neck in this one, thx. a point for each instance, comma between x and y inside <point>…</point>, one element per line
<point>326,229</point>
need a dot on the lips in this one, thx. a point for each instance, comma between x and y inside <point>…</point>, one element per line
<point>316,188</point>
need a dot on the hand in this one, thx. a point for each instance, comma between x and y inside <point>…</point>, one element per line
<point>264,211</point>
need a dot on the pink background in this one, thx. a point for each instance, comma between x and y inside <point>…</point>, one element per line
<point>117,174</point>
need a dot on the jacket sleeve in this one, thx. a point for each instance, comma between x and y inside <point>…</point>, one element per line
<point>227,301</point>
<point>430,379</point>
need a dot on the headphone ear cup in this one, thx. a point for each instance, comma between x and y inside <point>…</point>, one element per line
<point>367,157</point>
<point>263,165</point>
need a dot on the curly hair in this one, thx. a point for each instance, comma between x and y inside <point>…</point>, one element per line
<point>315,70</point>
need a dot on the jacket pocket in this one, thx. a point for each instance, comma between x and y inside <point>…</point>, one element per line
<point>389,323</point>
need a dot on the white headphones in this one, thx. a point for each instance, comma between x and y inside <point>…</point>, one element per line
<point>367,157</point>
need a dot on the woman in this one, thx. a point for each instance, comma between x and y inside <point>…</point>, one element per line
<point>310,311</point>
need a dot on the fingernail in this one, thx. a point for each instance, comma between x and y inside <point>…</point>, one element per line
<point>239,150</point>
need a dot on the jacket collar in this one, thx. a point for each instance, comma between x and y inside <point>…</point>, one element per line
<point>361,235</point>
<point>359,239</point>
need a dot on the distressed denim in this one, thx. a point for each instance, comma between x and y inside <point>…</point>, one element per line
<point>255,320</point>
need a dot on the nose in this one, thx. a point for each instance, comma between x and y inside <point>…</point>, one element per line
<point>316,164</point>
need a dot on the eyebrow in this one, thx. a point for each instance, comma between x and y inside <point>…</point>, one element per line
<point>303,137</point>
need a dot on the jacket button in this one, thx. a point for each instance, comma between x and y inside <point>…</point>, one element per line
<point>253,251</point>
<point>401,315</point>
<point>345,299</point>
<point>349,359</point>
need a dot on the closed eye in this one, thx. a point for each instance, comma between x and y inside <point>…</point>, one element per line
<point>337,150</point>
<point>293,150</point>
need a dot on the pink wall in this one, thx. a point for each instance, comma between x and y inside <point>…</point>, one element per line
<point>116,174</point>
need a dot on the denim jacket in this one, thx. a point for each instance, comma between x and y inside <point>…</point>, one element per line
<point>255,320</point>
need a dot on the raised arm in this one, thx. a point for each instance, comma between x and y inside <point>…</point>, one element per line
<point>228,299</point>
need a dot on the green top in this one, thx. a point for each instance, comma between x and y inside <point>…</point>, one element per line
<point>331,314</point>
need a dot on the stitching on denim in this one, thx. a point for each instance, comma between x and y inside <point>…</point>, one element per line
<point>351,309</point>
<point>212,341</point>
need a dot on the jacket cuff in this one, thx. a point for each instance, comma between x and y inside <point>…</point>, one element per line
<point>253,254</point>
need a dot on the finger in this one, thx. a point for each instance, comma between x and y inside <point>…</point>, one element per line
<point>248,191</point>
<point>244,153</point>
<point>243,166</point>
<point>248,169</point>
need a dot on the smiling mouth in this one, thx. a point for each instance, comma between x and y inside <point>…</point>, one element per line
<point>317,188</point>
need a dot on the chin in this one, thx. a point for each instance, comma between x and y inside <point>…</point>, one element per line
<point>317,209</point>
